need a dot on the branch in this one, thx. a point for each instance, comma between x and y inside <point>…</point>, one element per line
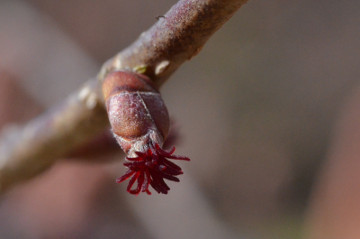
<point>28,150</point>
<point>176,37</point>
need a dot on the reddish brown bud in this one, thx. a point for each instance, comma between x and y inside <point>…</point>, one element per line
<point>140,123</point>
<point>136,110</point>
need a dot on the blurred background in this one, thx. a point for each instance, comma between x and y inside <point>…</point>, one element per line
<point>268,112</point>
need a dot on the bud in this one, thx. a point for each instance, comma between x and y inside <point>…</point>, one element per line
<point>140,123</point>
<point>136,111</point>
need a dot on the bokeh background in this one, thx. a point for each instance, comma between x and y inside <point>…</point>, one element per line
<point>268,112</point>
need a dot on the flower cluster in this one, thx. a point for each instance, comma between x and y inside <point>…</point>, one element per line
<point>151,168</point>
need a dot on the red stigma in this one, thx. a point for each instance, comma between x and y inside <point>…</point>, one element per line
<point>151,168</point>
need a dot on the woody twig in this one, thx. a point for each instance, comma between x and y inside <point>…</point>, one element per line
<point>176,37</point>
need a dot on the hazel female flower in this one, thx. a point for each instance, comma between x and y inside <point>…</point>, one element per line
<point>140,123</point>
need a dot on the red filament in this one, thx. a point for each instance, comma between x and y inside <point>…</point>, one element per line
<point>151,168</point>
